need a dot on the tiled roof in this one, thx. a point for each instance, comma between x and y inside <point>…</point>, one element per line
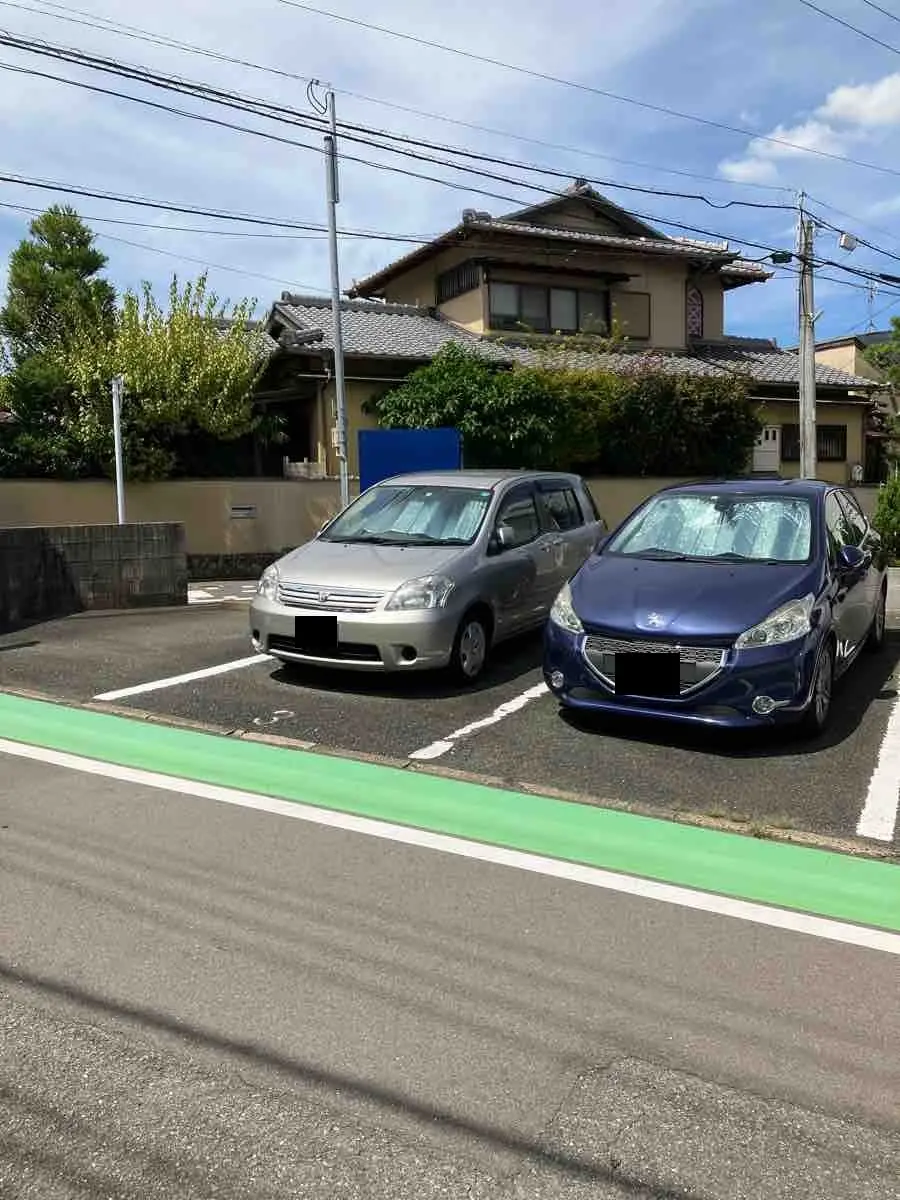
<point>372,329</point>
<point>676,247</point>
<point>766,363</point>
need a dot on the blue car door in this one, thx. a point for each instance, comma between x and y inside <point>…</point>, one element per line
<point>869,541</point>
<point>848,592</point>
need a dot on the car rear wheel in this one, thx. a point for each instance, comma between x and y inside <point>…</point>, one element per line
<point>875,640</point>
<point>816,718</point>
<point>470,648</point>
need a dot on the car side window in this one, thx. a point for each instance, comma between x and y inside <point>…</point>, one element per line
<point>855,518</point>
<point>589,504</point>
<point>838,528</point>
<point>562,507</point>
<point>519,512</point>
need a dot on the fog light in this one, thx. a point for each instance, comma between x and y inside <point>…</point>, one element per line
<point>763,705</point>
<point>557,681</point>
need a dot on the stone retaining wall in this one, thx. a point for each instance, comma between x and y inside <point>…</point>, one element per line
<point>48,572</point>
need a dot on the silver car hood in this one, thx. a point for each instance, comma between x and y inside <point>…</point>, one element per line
<point>353,565</point>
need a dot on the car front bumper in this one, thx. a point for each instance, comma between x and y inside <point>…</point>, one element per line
<point>783,674</point>
<point>374,641</point>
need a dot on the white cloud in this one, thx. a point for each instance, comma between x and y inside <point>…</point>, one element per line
<point>867,104</point>
<point>752,169</point>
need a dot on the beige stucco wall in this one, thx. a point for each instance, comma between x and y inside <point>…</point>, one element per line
<point>851,359</point>
<point>467,310</point>
<point>285,512</point>
<point>853,416</point>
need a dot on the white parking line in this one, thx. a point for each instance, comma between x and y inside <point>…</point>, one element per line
<point>436,749</point>
<point>173,680</point>
<point>878,819</point>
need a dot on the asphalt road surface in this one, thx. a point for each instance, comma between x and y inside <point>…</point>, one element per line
<point>506,729</point>
<point>198,1000</point>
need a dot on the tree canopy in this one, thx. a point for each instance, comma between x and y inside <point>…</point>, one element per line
<point>190,368</point>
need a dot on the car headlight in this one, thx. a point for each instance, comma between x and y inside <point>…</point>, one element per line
<point>563,612</point>
<point>268,583</point>
<point>431,591</point>
<point>793,620</point>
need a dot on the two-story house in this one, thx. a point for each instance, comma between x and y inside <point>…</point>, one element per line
<point>578,267</point>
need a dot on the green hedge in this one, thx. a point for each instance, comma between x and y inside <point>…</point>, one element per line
<point>642,422</point>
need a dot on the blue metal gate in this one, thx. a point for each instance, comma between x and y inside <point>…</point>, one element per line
<point>387,452</point>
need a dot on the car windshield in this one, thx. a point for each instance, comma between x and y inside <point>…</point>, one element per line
<point>729,527</point>
<point>412,515</point>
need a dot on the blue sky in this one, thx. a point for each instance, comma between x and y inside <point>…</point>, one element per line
<point>772,68</point>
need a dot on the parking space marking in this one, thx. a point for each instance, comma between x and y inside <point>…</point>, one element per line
<point>157,685</point>
<point>878,819</point>
<point>439,748</point>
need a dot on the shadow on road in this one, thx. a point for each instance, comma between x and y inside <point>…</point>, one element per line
<point>868,680</point>
<point>388,1099</point>
<point>509,662</point>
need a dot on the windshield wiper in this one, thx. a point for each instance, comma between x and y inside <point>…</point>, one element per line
<point>658,554</point>
<point>733,556</point>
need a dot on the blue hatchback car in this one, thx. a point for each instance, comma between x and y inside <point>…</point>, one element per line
<point>735,604</point>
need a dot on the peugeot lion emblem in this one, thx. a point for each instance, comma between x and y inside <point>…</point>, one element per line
<point>654,620</point>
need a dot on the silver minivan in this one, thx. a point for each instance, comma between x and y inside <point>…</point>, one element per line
<point>426,571</point>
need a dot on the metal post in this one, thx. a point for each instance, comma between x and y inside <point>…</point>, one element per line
<point>117,385</point>
<point>807,347</point>
<point>331,175</point>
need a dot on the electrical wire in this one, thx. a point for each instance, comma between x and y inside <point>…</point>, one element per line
<point>870,37</point>
<point>107,25</point>
<point>884,12</point>
<point>350,132</point>
<point>587,88</point>
<point>199,211</point>
<point>294,286</point>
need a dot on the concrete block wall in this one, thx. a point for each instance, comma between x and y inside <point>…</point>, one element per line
<point>48,572</point>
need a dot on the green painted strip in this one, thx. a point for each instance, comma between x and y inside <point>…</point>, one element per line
<point>796,877</point>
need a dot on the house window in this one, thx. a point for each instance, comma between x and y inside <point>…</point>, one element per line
<point>548,309</point>
<point>831,443</point>
<point>694,312</point>
<point>457,281</point>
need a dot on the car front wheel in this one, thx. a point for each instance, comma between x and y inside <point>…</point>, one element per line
<point>817,715</point>
<point>470,649</point>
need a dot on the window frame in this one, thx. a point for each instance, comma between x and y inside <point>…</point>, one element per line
<point>573,504</point>
<point>521,491</point>
<point>693,291</point>
<point>506,322</point>
<point>790,440</point>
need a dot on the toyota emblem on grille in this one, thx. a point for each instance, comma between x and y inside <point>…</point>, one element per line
<point>655,621</point>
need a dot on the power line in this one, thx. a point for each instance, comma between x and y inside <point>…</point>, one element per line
<point>107,25</point>
<point>305,287</point>
<point>349,132</point>
<point>870,37</point>
<point>197,210</point>
<point>588,88</point>
<point>248,104</point>
<point>884,12</point>
<point>857,221</point>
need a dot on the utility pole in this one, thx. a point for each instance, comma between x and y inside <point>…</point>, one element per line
<point>117,386</point>
<point>334,197</point>
<point>807,345</point>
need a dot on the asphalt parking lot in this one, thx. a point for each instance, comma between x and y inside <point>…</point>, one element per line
<point>507,729</point>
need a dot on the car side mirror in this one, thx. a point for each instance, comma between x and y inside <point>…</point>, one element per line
<point>850,560</point>
<point>502,538</point>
